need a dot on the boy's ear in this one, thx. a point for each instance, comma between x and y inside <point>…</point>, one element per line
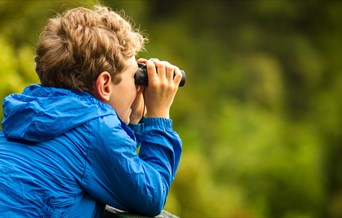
<point>103,87</point>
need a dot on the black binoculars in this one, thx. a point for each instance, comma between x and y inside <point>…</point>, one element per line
<point>141,78</point>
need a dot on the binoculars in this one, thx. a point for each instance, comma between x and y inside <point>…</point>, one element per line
<point>141,78</point>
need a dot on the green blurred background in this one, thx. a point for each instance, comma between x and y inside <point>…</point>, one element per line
<point>260,114</point>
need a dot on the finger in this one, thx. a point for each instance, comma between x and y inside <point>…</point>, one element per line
<point>170,71</point>
<point>154,59</point>
<point>151,71</point>
<point>142,59</point>
<point>177,76</point>
<point>139,89</point>
<point>160,65</point>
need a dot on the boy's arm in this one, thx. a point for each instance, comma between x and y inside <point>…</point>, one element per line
<point>116,175</point>
<point>137,128</point>
<point>158,133</point>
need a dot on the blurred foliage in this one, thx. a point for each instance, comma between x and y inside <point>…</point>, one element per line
<point>260,115</point>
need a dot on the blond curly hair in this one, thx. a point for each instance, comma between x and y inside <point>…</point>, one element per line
<point>76,46</point>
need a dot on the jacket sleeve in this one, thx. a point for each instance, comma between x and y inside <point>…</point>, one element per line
<point>116,175</point>
<point>137,129</point>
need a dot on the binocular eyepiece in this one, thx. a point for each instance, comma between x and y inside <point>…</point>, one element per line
<point>141,78</point>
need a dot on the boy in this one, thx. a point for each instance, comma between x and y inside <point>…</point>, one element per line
<point>66,149</point>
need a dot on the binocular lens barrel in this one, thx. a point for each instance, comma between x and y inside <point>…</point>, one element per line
<point>141,78</point>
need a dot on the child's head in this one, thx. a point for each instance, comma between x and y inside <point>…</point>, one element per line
<point>76,46</point>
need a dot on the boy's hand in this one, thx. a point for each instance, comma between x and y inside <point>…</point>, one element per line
<point>163,82</point>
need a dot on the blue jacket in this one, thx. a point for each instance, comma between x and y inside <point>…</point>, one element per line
<point>65,154</point>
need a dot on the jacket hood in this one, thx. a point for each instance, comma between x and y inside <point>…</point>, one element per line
<point>41,113</point>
